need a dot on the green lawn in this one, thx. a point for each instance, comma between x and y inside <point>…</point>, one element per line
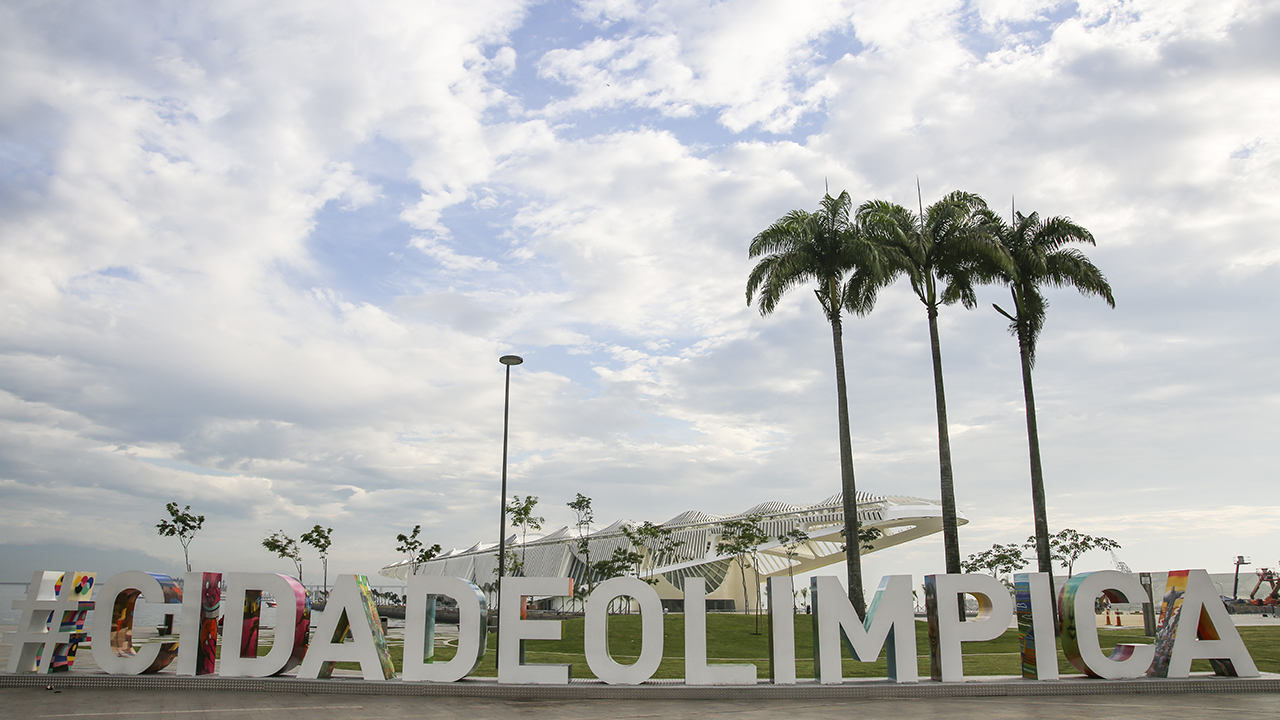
<point>730,638</point>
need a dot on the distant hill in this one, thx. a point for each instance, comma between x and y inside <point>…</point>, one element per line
<point>17,562</point>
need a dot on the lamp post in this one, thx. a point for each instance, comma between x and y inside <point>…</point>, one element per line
<point>507,360</point>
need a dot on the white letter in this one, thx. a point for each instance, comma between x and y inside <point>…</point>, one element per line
<point>1203,630</point>
<point>113,623</point>
<point>1035,623</point>
<point>419,634</point>
<point>240,653</point>
<point>890,624</point>
<point>942,595</point>
<point>512,631</point>
<point>782,630</point>
<point>696,669</point>
<point>35,641</point>
<point>349,606</point>
<point>201,606</point>
<point>1080,626</point>
<point>596,632</point>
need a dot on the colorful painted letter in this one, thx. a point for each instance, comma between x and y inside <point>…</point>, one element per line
<point>1194,625</point>
<point>113,632</point>
<point>349,607</point>
<point>1080,625</point>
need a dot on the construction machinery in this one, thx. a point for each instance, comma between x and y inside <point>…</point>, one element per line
<point>1271,577</point>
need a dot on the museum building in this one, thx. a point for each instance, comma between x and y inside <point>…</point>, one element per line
<point>695,536</point>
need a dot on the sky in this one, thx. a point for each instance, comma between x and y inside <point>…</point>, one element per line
<point>262,258</point>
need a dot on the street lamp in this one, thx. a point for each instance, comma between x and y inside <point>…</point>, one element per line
<point>507,360</point>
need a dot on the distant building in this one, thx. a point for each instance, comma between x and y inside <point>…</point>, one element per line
<point>899,519</point>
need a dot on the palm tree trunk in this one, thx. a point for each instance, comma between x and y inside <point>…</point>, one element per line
<point>950,532</point>
<point>852,555</point>
<point>1043,558</point>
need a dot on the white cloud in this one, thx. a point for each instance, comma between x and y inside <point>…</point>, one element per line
<point>170,331</point>
<point>753,61</point>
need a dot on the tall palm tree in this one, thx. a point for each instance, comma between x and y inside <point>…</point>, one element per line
<point>1040,258</point>
<point>944,250</point>
<point>822,247</point>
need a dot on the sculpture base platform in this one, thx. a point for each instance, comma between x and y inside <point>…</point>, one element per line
<point>660,689</point>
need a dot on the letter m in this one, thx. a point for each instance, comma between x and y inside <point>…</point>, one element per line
<point>890,624</point>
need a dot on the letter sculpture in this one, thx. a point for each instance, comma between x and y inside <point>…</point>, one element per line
<point>1035,624</point>
<point>1080,626</point>
<point>782,630</point>
<point>113,631</point>
<point>419,629</point>
<point>38,647</point>
<point>890,624</point>
<point>513,631</point>
<point>349,607</point>
<point>946,632</point>
<point>198,652</point>
<point>240,635</point>
<point>1194,625</point>
<point>596,631</point>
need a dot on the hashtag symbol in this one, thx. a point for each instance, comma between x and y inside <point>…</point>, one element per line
<point>54,598</point>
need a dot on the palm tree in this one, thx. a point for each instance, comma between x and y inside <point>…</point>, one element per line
<point>822,247</point>
<point>944,251</point>
<point>1039,258</point>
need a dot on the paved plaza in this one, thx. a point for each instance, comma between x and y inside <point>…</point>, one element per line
<point>33,704</point>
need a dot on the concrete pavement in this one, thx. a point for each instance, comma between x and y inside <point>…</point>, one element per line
<point>37,704</point>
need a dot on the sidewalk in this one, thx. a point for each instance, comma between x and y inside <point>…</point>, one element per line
<point>35,704</point>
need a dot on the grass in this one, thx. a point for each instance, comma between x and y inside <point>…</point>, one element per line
<point>730,639</point>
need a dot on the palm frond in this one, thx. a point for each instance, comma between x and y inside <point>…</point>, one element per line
<point>1069,267</point>
<point>1058,231</point>
<point>820,247</point>
<point>783,235</point>
<point>1039,257</point>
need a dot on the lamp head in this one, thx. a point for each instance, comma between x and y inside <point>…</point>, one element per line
<point>510,359</point>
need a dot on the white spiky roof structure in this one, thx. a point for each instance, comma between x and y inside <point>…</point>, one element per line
<point>899,519</point>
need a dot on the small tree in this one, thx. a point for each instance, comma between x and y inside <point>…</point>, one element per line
<point>182,525</point>
<point>414,548</point>
<point>622,561</point>
<point>866,536</point>
<point>581,505</point>
<point>320,538</point>
<point>286,547</point>
<point>521,514</point>
<point>580,593</point>
<point>792,540</point>
<point>656,541</point>
<point>619,563</point>
<point>513,565</point>
<point>1068,545</point>
<point>999,561</point>
<point>740,539</point>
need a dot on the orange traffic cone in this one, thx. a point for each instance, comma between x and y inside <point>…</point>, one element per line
<point>1108,617</point>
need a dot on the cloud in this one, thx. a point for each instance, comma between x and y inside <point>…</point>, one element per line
<point>754,62</point>
<point>174,329</point>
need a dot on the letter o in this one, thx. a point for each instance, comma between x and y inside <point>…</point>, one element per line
<point>596,632</point>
